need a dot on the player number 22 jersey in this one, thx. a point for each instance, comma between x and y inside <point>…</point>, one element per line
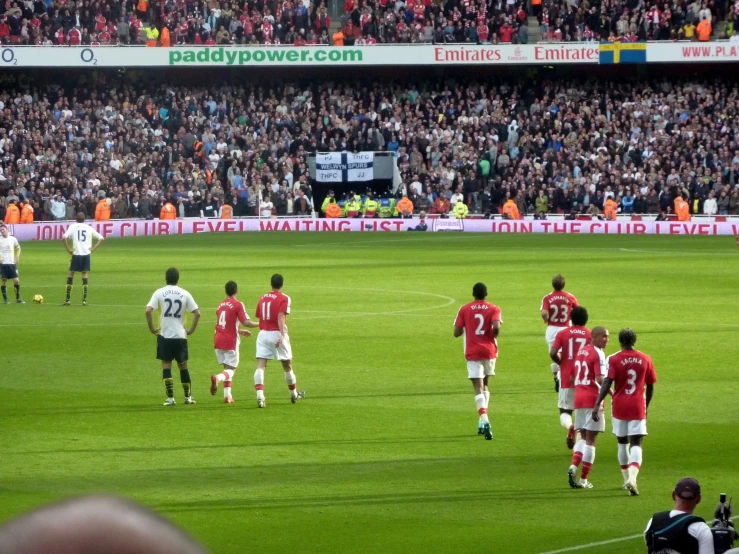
<point>590,363</point>
<point>476,318</point>
<point>569,341</point>
<point>269,307</point>
<point>229,315</point>
<point>630,371</point>
<point>173,303</point>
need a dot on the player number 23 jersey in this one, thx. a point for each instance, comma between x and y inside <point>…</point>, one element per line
<point>559,305</point>
<point>476,318</point>
<point>173,303</point>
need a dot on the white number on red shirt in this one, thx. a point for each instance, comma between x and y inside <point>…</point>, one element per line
<point>222,320</point>
<point>481,322</point>
<point>557,314</point>
<point>631,381</point>
<point>580,345</point>
<point>266,310</point>
<point>582,367</point>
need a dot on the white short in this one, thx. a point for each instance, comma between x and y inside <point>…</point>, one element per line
<point>584,420</point>
<point>228,357</point>
<point>552,334</point>
<point>629,427</point>
<point>477,369</point>
<point>266,349</point>
<point>566,398</point>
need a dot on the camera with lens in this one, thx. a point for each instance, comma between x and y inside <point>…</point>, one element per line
<point>722,527</point>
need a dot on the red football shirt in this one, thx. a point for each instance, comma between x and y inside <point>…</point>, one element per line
<point>589,363</point>
<point>630,371</point>
<point>476,318</point>
<point>269,307</point>
<point>559,304</point>
<point>229,314</point>
<point>569,341</point>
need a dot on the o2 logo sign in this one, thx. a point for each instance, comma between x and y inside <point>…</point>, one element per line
<point>9,57</point>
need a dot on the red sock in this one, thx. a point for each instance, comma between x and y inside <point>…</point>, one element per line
<point>634,464</point>
<point>482,411</point>
<point>585,470</point>
<point>576,458</point>
<point>624,468</point>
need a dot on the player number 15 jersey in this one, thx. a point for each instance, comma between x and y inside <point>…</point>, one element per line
<point>82,235</point>
<point>476,318</point>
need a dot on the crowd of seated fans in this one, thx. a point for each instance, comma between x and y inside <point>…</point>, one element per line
<point>550,146</point>
<point>365,22</point>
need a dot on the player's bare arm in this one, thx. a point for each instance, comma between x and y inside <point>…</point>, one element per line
<point>554,355</point>
<point>545,316</point>
<point>66,246</point>
<point>605,388</point>
<point>149,320</point>
<point>281,317</point>
<point>97,245</point>
<point>17,254</point>
<point>496,329</point>
<point>248,323</point>
<point>650,394</point>
<point>458,332</point>
<point>195,320</point>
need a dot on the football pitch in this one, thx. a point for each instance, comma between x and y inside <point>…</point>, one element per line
<point>383,454</point>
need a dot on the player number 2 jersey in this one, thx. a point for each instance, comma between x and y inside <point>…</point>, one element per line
<point>569,341</point>
<point>82,235</point>
<point>590,362</point>
<point>229,315</point>
<point>559,305</point>
<point>269,307</point>
<point>173,303</point>
<point>476,318</point>
<point>630,371</point>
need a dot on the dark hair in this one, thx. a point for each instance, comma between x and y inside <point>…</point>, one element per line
<point>231,288</point>
<point>579,316</point>
<point>277,281</point>
<point>558,282</point>
<point>479,291</point>
<point>627,338</point>
<point>172,276</point>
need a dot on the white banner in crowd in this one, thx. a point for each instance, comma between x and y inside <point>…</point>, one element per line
<point>140,228</point>
<point>345,167</point>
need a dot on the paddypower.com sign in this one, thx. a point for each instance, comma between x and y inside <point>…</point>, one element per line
<point>271,56</point>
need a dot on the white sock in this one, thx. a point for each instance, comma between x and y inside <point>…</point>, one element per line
<point>225,375</point>
<point>565,420</point>
<point>588,454</point>
<point>481,409</point>
<point>635,460</point>
<point>291,380</point>
<point>623,460</point>
<point>227,389</point>
<point>555,369</point>
<point>259,383</point>
<point>487,398</point>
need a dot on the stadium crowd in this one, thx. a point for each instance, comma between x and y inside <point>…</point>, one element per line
<point>301,22</point>
<point>588,147</point>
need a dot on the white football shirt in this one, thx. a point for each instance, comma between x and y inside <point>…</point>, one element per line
<point>8,246</point>
<point>82,234</point>
<point>173,303</point>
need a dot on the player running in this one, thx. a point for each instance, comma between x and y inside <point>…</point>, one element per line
<point>555,311</point>
<point>630,371</point>
<point>568,342</point>
<point>273,342</point>
<point>10,255</point>
<point>230,314</point>
<point>173,303</point>
<point>590,370</point>
<point>82,246</point>
<point>479,321</point>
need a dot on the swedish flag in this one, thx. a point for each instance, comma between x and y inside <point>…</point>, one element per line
<point>623,52</point>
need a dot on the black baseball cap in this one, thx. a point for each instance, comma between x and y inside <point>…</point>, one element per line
<point>688,489</point>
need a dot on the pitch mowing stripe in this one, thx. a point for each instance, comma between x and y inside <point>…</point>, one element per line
<point>593,544</point>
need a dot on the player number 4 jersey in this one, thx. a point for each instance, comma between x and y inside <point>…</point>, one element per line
<point>229,315</point>
<point>476,318</point>
<point>569,341</point>
<point>82,235</point>
<point>559,305</point>
<point>269,307</point>
<point>590,362</point>
<point>630,371</point>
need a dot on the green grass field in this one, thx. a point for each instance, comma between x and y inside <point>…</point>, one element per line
<point>383,455</point>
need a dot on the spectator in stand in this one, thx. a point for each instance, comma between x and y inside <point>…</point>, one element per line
<point>710,206</point>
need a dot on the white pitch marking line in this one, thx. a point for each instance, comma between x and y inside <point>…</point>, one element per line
<point>593,544</point>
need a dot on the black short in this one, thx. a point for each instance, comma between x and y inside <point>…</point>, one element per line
<point>80,263</point>
<point>9,271</point>
<point>171,349</point>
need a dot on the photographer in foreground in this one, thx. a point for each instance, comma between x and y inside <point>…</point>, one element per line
<point>679,531</point>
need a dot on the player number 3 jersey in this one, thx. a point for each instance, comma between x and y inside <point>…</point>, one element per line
<point>269,307</point>
<point>229,315</point>
<point>476,318</point>
<point>173,303</point>
<point>630,371</point>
